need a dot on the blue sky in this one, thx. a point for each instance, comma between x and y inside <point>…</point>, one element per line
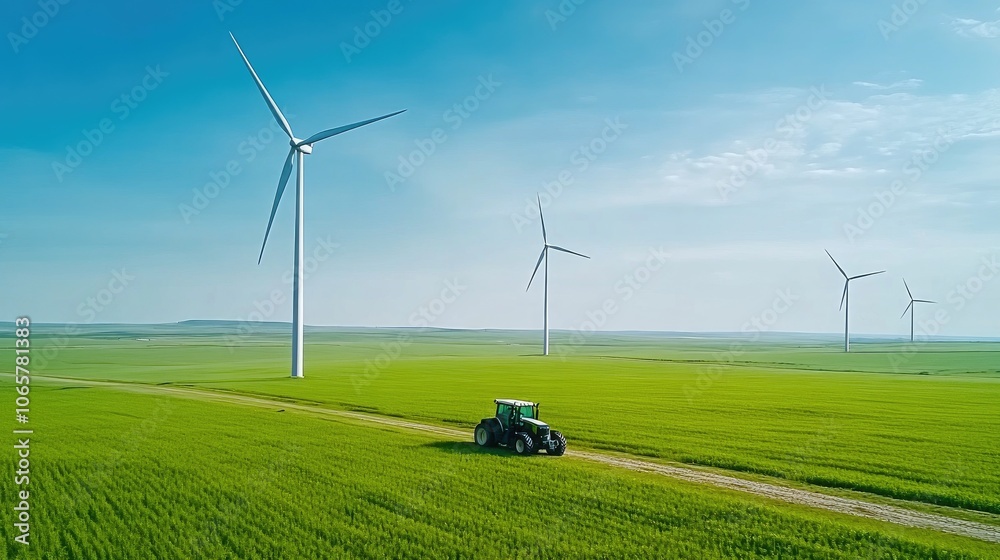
<point>703,153</point>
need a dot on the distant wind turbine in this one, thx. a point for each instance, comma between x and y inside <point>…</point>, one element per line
<point>299,148</point>
<point>845,300</point>
<point>545,257</point>
<point>912,307</point>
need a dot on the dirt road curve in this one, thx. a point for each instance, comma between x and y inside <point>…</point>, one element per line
<point>892,514</point>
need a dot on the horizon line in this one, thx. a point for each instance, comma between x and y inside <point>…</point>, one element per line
<point>737,334</point>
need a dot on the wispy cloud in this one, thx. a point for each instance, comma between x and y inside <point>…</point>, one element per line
<point>911,83</point>
<point>975,28</point>
<point>848,144</point>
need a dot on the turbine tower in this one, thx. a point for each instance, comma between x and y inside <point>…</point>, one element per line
<point>845,300</point>
<point>545,257</point>
<point>912,307</point>
<point>299,148</point>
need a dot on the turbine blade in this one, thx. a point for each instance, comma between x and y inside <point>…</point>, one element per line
<point>538,264</point>
<point>835,262</point>
<point>905,310</point>
<point>542,216</point>
<point>346,128</point>
<point>907,289</point>
<point>558,248</point>
<point>843,297</point>
<point>263,91</point>
<point>285,173</point>
<point>924,301</point>
<point>864,275</point>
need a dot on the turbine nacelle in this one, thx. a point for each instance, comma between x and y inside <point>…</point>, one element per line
<point>299,145</point>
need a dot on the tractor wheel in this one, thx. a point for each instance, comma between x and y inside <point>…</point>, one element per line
<point>484,436</point>
<point>523,444</point>
<point>560,447</point>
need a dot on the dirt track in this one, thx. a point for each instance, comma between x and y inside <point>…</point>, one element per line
<point>891,514</point>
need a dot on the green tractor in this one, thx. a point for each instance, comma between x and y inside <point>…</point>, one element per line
<point>516,426</point>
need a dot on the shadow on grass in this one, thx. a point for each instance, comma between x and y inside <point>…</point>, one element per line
<point>471,448</point>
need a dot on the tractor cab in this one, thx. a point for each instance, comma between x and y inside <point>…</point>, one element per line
<point>512,413</point>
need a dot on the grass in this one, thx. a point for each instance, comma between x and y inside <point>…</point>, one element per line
<point>123,475</point>
<point>919,424</point>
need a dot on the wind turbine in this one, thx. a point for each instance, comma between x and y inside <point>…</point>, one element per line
<point>545,257</point>
<point>912,307</point>
<point>299,148</point>
<point>845,299</point>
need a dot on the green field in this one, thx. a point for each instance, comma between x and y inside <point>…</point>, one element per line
<point>123,475</point>
<point>919,424</point>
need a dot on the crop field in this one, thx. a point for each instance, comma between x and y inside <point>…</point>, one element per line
<point>124,475</point>
<point>916,423</point>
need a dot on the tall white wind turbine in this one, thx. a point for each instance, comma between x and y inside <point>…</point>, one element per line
<point>845,300</point>
<point>544,256</point>
<point>299,148</point>
<point>912,307</point>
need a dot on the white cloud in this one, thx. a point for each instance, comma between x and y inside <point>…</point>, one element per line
<point>826,149</point>
<point>836,172</point>
<point>845,146</point>
<point>911,83</point>
<point>975,28</point>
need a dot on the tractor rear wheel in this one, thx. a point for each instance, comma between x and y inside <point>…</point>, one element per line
<point>560,447</point>
<point>523,444</point>
<point>484,436</point>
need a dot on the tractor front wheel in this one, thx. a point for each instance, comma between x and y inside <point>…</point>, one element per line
<point>523,444</point>
<point>560,447</point>
<point>484,436</point>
